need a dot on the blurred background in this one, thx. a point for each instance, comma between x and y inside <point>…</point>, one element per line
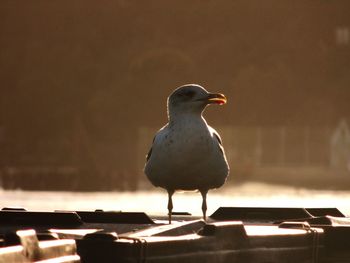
<point>84,87</point>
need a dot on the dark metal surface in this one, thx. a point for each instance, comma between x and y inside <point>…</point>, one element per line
<point>259,235</point>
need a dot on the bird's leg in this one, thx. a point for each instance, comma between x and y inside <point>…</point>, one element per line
<point>204,203</point>
<point>170,204</point>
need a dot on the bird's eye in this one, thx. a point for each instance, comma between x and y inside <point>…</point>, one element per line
<point>188,94</point>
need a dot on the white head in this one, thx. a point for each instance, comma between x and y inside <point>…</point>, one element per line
<point>192,99</point>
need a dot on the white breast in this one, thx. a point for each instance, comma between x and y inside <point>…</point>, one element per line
<point>187,156</point>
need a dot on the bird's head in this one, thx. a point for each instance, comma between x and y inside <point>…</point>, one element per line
<point>192,98</point>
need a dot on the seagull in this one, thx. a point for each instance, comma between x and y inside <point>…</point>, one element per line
<point>187,154</point>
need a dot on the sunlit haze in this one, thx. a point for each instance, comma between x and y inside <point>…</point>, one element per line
<point>84,86</point>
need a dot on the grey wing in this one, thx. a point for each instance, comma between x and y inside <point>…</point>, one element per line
<point>158,135</point>
<point>148,156</point>
<point>218,138</point>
